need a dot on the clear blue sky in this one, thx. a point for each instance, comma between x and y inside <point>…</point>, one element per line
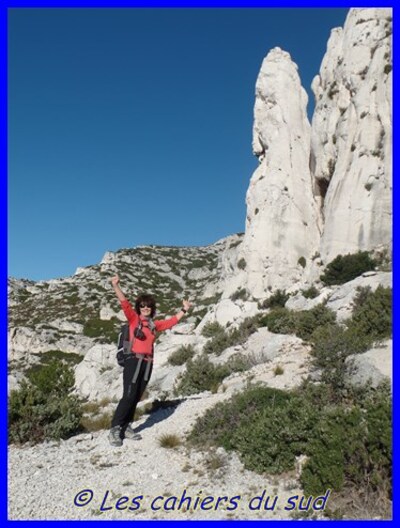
<point>134,126</point>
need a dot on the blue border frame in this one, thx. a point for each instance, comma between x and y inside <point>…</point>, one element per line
<point>3,197</point>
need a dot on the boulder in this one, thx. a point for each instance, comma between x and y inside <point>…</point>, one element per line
<point>374,366</point>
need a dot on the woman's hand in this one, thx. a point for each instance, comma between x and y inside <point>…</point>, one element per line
<point>186,305</point>
<point>115,284</point>
<point>115,280</point>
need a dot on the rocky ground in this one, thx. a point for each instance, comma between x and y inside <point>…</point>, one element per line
<point>84,477</point>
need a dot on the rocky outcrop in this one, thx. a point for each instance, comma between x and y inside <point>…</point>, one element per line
<point>373,367</point>
<point>340,298</point>
<point>283,222</point>
<point>351,137</point>
<point>323,190</point>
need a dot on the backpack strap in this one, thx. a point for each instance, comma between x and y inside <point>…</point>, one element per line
<point>152,326</point>
<point>128,344</point>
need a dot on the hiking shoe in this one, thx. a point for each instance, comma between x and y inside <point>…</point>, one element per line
<point>114,436</point>
<point>130,433</point>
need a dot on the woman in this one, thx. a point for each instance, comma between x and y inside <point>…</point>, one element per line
<point>138,367</point>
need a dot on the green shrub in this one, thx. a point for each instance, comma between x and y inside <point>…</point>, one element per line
<point>181,355</point>
<point>106,331</point>
<point>310,293</point>
<point>346,268</point>
<point>332,345</point>
<point>241,264</point>
<point>373,316</point>
<point>239,363</point>
<point>200,375</point>
<point>52,377</point>
<point>241,293</point>
<point>217,344</point>
<point>377,408</point>
<point>279,321</point>
<point>325,468</point>
<point>235,336</point>
<point>278,298</point>
<point>239,335</point>
<point>303,323</point>
<point>346,444</point>
<point>361,296</point>
<point>268,427</point>
<point>278,370</point>
<point>387,69</point>
<point>212,329</point>
<point>71,357</point>
<point>43,407</point>
<point>302,262</point>
<point>364,458</point>
<point>306,321</point>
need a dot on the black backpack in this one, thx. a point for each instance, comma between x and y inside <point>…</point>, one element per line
<point>124,346</point>
<point>123,350</point>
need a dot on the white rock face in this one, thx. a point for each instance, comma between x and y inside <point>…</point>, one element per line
<point>341,300</point>
<point>283,222</point>
<point>99,375</point>
<point>107,313</point>
<point>227,311</point>
<point>352,134</point>
<point>374,366</point>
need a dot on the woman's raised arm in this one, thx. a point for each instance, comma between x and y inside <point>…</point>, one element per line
<point>119,293</point>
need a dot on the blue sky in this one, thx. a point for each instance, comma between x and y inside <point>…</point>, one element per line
<point>134,126</point>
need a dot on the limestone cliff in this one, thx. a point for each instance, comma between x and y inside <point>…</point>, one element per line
<point>323,190</point>
<point>351,135</point>
<point>283,221</point>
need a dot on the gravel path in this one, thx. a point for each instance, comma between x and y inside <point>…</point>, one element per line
<point>48,480</point>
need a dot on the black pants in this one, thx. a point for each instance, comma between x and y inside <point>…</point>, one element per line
<point>133,392</point>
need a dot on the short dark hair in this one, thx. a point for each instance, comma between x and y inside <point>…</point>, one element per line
<point>145,298</point>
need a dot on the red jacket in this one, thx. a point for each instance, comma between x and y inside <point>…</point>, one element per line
<point>146,346</point>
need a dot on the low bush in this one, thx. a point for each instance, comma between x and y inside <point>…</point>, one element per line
<point>217,344</point>
<point>200,375</point>
<point>307,321</point>
<point>104,331</point>
<point>279,321</point>
<point>235,336</point>
<point>268,427</point>
<point>364,459</point>
<point>239,363</point>
<point>241,294</point>
<point>302,261</point>
<point>310,293</point>
<point>302,323</point>
<point>278,298</point>
<point>241,264</point>
<point>345,444</point>
<point>345,268</point>
<point>372,315</point>
<point>332,345</point>
<point>44,407</point>
<point>360,297</point>
<point>212,329</point>
<point>181,355</point>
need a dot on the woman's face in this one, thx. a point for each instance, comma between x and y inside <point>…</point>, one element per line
<point>145,309</point>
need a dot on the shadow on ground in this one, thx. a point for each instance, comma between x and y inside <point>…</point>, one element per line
<point>160,410</point>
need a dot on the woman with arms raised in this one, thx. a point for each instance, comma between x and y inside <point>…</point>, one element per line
<point>139,364</point>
